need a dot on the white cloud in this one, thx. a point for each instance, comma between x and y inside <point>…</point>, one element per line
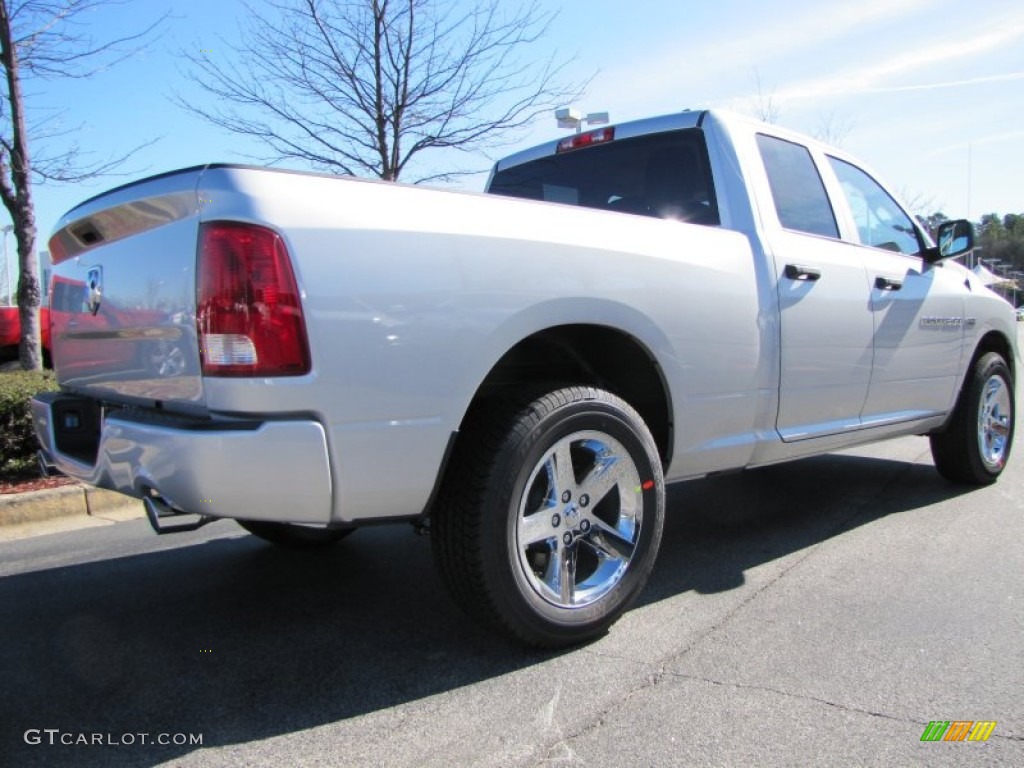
<point>1006,77</point>
<point>993,139</point>
<point>872,78</point>
<point>657,75</point>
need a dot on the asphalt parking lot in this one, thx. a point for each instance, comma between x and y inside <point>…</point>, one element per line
<point>821,613</point>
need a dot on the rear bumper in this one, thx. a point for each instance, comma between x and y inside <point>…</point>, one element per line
<point>269,470</point>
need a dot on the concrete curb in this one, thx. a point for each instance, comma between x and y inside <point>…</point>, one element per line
<point>68,501</point>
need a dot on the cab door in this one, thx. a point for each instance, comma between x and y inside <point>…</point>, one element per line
<point>826,322</point>
<point>917,309</point>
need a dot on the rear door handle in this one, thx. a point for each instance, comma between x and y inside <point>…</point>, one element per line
<point>800,272</point>
<point>888,283</point>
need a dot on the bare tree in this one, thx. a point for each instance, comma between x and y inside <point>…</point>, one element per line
<point>362,87</point>
<point>931,222</point>
<point>921,205</point>
<point>40,40</point>
<point>832,129</point>
<point>764,105</point>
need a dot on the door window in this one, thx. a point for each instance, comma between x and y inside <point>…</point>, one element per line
<point>881,223</point>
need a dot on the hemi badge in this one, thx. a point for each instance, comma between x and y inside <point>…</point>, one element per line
<point>942,322</point>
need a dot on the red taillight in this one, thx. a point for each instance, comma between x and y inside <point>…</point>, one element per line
<point>249,314</point>
<point>581,140</point>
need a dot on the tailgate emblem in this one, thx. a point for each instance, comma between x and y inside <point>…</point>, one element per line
<point>94,280</point>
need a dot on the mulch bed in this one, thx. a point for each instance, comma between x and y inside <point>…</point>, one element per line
<point>33,484</point>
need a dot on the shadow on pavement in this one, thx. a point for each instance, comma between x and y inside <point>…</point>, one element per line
<point>718,527</point>
<point>241,641</point>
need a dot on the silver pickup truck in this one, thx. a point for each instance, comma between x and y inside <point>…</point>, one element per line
<point>519,372</point>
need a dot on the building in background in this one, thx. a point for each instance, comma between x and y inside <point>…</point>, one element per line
<point>9,275</point>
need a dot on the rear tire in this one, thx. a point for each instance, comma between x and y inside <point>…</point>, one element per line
<point>550,515</point>
<point>294,535</point>
<point>976,443</point>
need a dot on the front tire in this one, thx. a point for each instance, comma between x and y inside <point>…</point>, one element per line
<point>550,516</point>
<point>976,444</point>
<point>294,535</point>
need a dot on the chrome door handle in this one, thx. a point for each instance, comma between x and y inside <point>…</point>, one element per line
<point>888,283</point>
<point>800,272</point>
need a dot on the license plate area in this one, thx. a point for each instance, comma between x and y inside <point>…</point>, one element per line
<point>76,427</point>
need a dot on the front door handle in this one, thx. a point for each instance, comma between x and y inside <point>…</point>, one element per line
<point>800,272</point>
<point>888,283</point>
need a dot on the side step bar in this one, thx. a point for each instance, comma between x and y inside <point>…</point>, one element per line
<point>159,513</point>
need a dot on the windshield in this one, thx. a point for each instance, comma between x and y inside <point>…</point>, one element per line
<point>663,174</point>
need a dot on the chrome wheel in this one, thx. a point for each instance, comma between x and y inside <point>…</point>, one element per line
<point>549,519</point>
<point>579,519</point>
<point>995,416</point>
<point>975,444</point>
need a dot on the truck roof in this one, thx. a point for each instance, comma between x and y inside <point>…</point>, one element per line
<point>686,119</point>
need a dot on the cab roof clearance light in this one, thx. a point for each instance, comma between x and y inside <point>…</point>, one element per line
<point>584,140</point>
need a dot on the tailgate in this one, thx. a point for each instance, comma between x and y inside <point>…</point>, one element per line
<point>122,305</point>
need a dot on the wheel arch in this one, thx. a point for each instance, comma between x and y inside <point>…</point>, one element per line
<point>588,354</point>
<point>972,447</point>
<point>992,341</point>
<point>995,341</point>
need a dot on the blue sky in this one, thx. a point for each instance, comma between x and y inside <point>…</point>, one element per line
<point>929,93</point>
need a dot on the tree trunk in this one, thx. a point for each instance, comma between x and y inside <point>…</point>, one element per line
<point>30,350</point>
<point>17,198</point>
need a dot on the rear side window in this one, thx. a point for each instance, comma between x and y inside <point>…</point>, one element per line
<point>666,175</point>
<point>799,194</point>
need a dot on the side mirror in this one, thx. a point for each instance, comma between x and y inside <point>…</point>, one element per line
<point>955,238</point>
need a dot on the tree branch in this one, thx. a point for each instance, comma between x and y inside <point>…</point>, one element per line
<point>368,85</point>
<point>42,39</point>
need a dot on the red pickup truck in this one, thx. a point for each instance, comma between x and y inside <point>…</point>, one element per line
<point>10,332</point>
